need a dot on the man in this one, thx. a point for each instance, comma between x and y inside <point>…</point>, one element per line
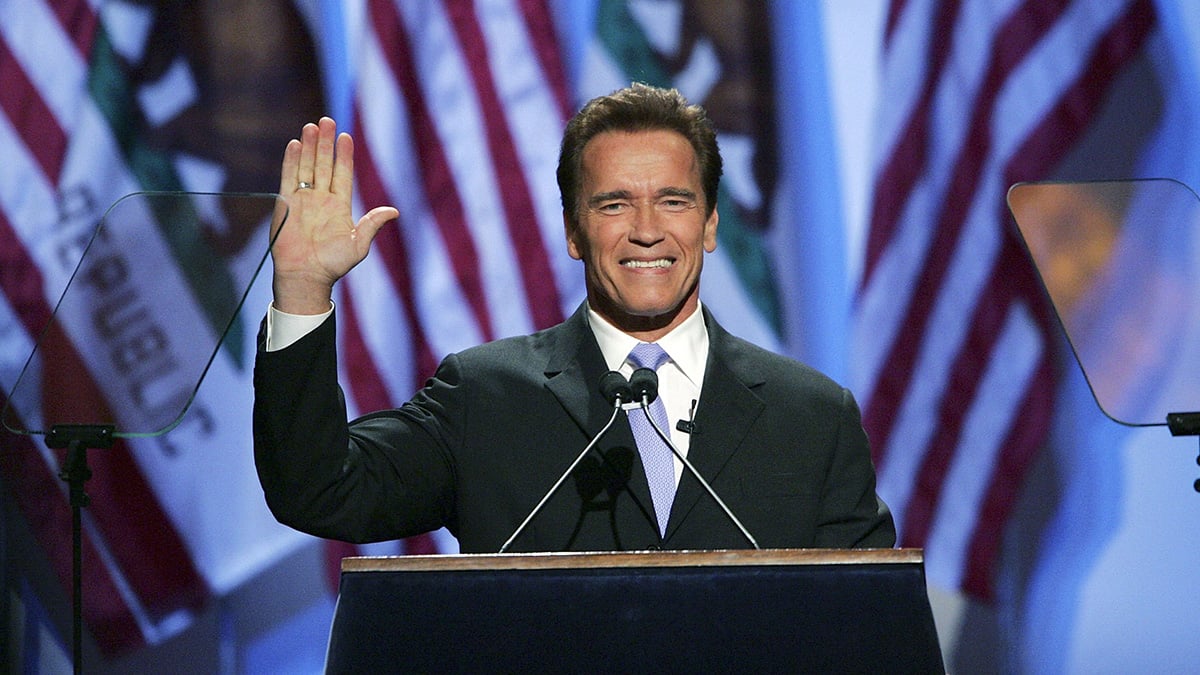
<point>477,448</point>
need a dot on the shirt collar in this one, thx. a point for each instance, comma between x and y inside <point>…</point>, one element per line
<point>686,344</point>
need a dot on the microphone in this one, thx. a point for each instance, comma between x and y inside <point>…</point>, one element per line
<point>644,383</point>
<point>615,389</point>
<point>688,426</point>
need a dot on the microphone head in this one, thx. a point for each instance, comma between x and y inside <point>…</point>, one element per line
<point>615,388</point>
<point>644,383</point>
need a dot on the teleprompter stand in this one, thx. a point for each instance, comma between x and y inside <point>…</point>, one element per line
<point>77,439</point>
<point>147,242</point>
<point>1186,424</point>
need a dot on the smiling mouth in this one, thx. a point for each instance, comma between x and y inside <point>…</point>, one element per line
<point>648,264</point>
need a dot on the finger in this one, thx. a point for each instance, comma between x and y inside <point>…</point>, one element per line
<point>308,154</point>
<point>323,175</point>
<point>343,168</point>
<point>288,174</point>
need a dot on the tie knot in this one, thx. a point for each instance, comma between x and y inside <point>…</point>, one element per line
<point>648,355</point>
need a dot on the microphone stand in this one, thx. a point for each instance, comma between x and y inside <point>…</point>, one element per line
<point>644,383</point>
<point>614,388</point>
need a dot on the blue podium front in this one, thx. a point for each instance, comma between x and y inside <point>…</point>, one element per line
<point>780,611</point>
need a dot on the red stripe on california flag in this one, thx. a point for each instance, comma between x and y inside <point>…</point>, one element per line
<point>23,105</point>
<point>38,491</point>
<point>123,505</point>
<point>39,495</point>
<point>21,282</point>
<point>440,188</point>
<point>531,256</point>
<point>128,512</point>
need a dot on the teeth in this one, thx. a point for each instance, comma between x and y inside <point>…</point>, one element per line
<point>661,262</point>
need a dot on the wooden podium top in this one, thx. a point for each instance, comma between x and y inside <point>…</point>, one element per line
<point>720,558</point>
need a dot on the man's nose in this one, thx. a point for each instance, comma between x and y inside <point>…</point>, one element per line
<point>647,224</point>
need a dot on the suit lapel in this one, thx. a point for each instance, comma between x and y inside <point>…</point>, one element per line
<point>573,371</point>
<point>727,409</point>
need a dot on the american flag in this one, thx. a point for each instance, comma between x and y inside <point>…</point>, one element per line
<point>954,341</point>
<point>457,113</point>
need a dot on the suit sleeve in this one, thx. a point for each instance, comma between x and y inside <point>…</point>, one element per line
<point>384,476</point>
<point>852,515</point>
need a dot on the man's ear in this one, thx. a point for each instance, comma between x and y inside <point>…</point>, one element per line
<point>710,231</point>
<point>569,229</point>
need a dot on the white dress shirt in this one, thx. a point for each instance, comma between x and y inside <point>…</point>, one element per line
<point>679,379</point>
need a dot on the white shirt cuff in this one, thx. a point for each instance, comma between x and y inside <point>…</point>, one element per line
<point>283,329</point>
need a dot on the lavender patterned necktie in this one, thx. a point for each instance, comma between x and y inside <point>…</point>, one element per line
<point>657,457</point>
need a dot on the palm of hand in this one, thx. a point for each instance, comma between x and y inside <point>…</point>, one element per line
<point>319,239</point>
<point>319,242</point>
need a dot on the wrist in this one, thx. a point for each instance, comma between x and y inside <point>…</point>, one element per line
<point>298,296</point>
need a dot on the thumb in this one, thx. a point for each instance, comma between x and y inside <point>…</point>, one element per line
<point>374,220</point>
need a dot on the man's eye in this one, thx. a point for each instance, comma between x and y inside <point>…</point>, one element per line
<point>613,208</point>
<point>675,205</point>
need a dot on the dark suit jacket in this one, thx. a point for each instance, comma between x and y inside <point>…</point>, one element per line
<point>488,435</point>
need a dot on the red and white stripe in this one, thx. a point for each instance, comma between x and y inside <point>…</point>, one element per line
<point>458,110</point>
<point>953,340</point>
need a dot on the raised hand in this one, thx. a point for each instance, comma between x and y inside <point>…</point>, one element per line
<point>319,243</point>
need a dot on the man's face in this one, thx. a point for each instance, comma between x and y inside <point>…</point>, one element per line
<point>642,230</point>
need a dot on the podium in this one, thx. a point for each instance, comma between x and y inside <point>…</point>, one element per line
<point>782,610</point>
